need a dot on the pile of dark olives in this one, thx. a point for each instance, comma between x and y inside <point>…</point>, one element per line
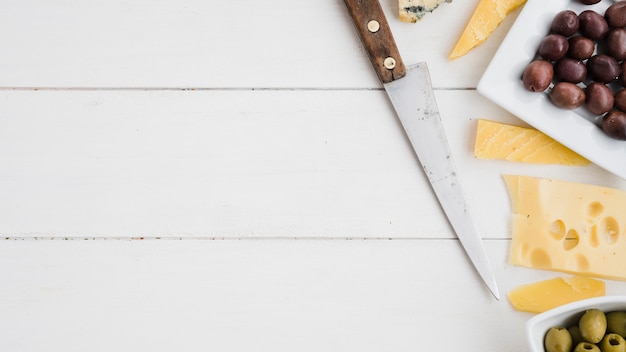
<point>582,63</point>
<point>594,332</point>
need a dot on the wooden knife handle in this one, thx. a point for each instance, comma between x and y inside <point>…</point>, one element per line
<point>373,28</point>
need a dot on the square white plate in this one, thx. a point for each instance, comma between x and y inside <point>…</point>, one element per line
<point>502,84</point>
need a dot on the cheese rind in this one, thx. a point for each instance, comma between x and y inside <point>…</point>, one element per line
<point>414,10</point>
<point>569,227</point>
<point>544,295</point>
<point>496,140</point>
<point>484,20</point>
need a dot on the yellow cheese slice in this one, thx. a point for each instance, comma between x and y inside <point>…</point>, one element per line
<point>544,295</point>
<point>496,140</point>
<point>486,18</point>
<point>569,227</point>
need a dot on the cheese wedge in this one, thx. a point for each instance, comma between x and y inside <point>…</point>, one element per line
<point>486,18</point>
<point>502,141</point>
<point>413,10</point>
<point>544,295</point>
<point>569,227</point>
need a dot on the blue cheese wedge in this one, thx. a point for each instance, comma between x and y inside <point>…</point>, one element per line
<point>413,10</point>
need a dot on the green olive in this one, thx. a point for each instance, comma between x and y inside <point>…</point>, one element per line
<point>586,347</point>
<point>577,338</point>
<point>558,339</point>
<point>613,343</point>
<point>592,325</point>
<point>616,322</point>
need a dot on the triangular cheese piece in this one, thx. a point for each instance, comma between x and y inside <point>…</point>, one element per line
<point>495,140</point>
<point>486,18</point>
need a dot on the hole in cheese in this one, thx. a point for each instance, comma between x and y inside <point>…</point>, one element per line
<point>581,264</point>
<point>595,209</point>
<point>524,250</point>
<point>557,229</point>
<point>571,240</point>
<point>540,259</point>
<point>594,240</point>
<point>609,230</point>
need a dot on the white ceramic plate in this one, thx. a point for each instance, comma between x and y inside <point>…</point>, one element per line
<point>502,84</point>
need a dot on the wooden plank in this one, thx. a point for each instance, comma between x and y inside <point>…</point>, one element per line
<point>279,295</point>
<point>238,164</point>
<point>194,43</point>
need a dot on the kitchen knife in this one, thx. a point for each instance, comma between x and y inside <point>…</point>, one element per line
<point>412,97</point>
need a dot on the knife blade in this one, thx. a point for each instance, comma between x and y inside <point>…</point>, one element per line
<point>410,92</point>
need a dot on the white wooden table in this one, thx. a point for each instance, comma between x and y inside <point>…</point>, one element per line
<point>186,175</point>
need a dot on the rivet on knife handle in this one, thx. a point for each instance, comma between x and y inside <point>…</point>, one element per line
<point>372,26</point>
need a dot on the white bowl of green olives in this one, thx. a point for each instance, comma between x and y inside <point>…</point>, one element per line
<point>590,325</point>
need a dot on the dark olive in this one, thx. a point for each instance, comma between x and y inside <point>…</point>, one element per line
<point>622,76</point>
<point>589,2</point>
<point>566,95</point>
<point>599,98</point>
<point>553,47</point>
<point>570,70</point>
<point>614,124</point>
<point>620,100</point>
<point>565,23</point>
<point>592,25</point>
<point>603,68</point>
<point>580,47</point>
<point>538,75</point>
<point>615,14</point>
<point>616,43</point>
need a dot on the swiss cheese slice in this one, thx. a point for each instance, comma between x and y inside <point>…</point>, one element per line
<point>541,296</point>
<point>413,10</point>
<point>484,20</point>
<point>496,140</point>
<point>568,227</point>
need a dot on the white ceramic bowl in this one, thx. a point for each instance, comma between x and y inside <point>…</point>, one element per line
<point>566,315</point>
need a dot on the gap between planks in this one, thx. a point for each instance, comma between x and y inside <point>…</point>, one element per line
<point>213,238</point>
<point>209,89</point>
